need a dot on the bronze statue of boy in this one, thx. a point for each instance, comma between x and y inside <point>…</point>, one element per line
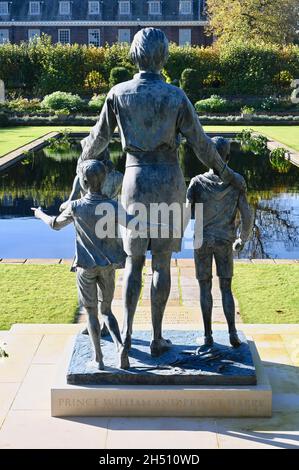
<point>221,202</point>
<point>96,257</point>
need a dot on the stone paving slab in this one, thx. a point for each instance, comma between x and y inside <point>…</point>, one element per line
<point>33,428</point>
<point>34,392</point>
<point>50,349</point>
<point>8,392</point>
<point>165,433</point>
<point>38,430</point>
<point>42,261</point>
<point>25,329</point>
<point>185,263</point>
<point>20,351</point>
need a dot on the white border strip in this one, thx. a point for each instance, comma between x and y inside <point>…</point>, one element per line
<point>102,23</point>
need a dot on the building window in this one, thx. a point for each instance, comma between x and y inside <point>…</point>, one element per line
<point>154,8</point>
<point>94,8</point>
<point>202,9</point>
<point>94,37</point>
<point>185,37</point>
<point>3,8</point>
<point>124,36</point>
<point>64,8</point>
<point>185,7</point>
<point>4,36</point>
<point>33,34</point>
<point>124,8</point>
<point>34,8</point>
<point>64,36</point>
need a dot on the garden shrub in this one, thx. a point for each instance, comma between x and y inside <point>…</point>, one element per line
<point>280,160</point>
<point>283,79</point>
<point>117,55</point>
<point>216,104</point>
<point>213,80</point>
<point>251,142</point>
<point>247,110</point>
<point>270,103</point>
<point>3,119</point>
<point>190,84</point>
<point>22,105</point>
<point>119,75</point>
<point>96,103</point>
<point>59,100</point>
<point>95,82</point>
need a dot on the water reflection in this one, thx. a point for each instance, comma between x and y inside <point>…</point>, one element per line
<point>46,178</point>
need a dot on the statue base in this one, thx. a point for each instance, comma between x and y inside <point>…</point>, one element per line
<point>183,364</point>
<point>169,397</point>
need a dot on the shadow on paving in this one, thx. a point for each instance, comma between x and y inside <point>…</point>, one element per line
<point>280,431</point>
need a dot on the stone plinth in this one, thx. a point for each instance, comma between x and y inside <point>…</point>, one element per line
<point>161,400</point>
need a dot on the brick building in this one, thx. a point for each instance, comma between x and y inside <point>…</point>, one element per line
<point>100,22</point>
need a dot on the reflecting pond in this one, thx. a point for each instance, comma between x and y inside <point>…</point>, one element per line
<point>45,178</point>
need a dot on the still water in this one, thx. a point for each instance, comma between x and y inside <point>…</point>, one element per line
<point>45,179</point>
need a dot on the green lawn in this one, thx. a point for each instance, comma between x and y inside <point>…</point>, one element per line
<point>47,294</point>
<point>287,135</point>
<point>37,294</point>
<point>267,294</point>
<point>14,137</point>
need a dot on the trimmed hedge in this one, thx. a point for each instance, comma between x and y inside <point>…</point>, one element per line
<point>235,69</point>
<point>60,100</point>
<point>119,75</point>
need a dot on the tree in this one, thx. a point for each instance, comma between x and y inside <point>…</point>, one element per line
<point>271,21</point>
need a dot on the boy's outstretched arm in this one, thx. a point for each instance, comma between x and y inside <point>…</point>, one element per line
<point>246,221</point>
<point>56,223</point>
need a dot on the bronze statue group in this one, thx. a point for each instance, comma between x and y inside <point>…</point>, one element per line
<point>150,115</point>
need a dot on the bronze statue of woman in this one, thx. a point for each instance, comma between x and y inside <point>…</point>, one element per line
<point>150,115</point>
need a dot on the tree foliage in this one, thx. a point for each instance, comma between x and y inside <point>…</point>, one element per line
<point>271,21</point>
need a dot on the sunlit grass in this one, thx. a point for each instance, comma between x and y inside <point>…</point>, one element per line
<point>37,294</point>
<point>267,294</point>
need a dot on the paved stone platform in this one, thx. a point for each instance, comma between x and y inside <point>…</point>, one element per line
<point>27,375</point>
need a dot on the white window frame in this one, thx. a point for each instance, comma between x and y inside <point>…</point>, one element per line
<point>124,7</point>
<point>120,32</point>
<point>5,38</point>
<point>62,31</point>
<point>156,3</point>
<point>91,41</point>
<point>93,8</point>
<point>185,43</point>
<point>67,5</point>
<point>183,5</point>
<point>4,8</point>
<point>33,33</point>
<point>34,8</point>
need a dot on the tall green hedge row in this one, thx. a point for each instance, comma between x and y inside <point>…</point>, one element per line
<point>236,69</point>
